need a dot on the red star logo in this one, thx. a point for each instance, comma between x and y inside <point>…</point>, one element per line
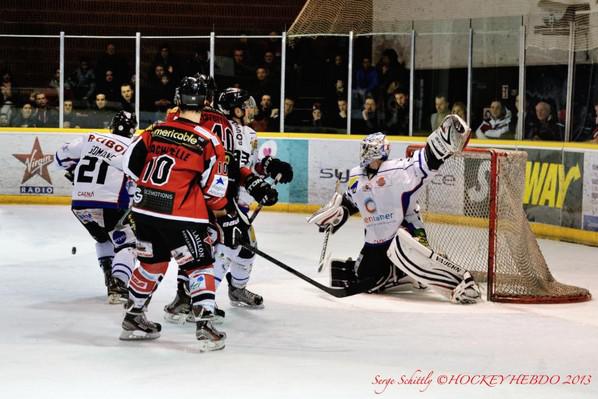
<point>36,163</point>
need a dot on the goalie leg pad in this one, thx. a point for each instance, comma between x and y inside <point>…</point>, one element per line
<point>425,266</point>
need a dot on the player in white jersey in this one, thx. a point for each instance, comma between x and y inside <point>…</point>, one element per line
<point>232,261</point>
<point>384,191</point>
<point>100,198</point>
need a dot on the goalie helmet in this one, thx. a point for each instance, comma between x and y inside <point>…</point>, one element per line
<point>195,92</point>
<point>232,98</point>
<point>374,146</point>
<point>123,124</point>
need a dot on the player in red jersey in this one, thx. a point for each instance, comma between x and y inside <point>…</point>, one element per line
<point>181,175</point>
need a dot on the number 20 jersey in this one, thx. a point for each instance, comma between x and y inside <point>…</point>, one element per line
<point>99,181</point>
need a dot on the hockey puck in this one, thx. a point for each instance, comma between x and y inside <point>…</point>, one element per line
<point>74,250</point>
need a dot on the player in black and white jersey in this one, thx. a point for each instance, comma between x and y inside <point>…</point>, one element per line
<point>101,198</point>
<point>233,261</point>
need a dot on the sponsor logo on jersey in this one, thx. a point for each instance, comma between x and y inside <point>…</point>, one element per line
<point>36,163</point>
<point>378,218</point>
<point>113,145</point>
<point>367,188</point>
<point>218,186</point>
<point>370,205</point>
<point>144,249</point>
<point>119,237</point>
<point>85,194</point>
<point>176,136</point>
<point>381,181</point>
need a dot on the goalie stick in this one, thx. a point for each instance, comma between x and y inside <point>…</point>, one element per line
<point>323,257</point>
<point>359,288</point>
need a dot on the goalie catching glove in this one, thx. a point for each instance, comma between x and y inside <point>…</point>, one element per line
<point>261,191</point>
<point>274,167</point>
<point>333,215</point>
<point>451,137</point>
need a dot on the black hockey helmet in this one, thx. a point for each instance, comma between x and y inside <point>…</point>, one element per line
<point>194,92</point>
<point>123,124</point>
<point>232,98</point>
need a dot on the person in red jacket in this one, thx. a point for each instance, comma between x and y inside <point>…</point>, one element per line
<point>181,175</point>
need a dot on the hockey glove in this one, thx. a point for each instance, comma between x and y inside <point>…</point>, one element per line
<point>235,228</point>
<point>274,166</point>
<point>261,191</point>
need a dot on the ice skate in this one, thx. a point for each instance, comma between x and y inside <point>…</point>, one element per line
<point>209,338</point>
<point>117,292</point>
<point>179,310</point>
<point>242,297</point>
<point>467,292</point>
<point>137,327</point>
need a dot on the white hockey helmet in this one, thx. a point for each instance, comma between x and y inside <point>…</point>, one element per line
<point>374,146</point>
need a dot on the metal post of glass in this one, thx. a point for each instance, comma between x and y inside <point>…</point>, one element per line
<point>283,59</point>
<point>137,73</point>
<point>411,79</point>
<point>521,89</point>
<point>61,83</point>
<point>349,82</point>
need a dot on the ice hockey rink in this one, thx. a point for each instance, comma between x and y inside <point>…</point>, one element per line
<point>59,339</point>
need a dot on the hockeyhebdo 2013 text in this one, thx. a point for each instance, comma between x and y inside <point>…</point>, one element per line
<point>423,380</point>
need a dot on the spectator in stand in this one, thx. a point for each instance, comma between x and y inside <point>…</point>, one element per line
<point>460,109</point>
<point>4,120</point>
<point>397,121</point>
<point>272,67</point>
<point>45,116</point>
<point>266,118</point>
<point>290,115</point>
<point>367,80</point>
<point>263,84</point>
<point>127,100</point>
<point>316,118</point>
<point>198,63</point>
<point>274,45</point>
<point>369,121</point>
<point>388,72</point>
<point>543,125</point>
<point>339,121</point>
<point>25,118</point>
<point>336,78</point>
<point>242,70</point>
<point>110,88</point>
<point>100,116</point>
<point>168,61</point>
<point>163,96</point>
<point>442,110</point>
<point>71,119</point>
<point>83,84</point>
<point>110,61</point>
<point>8,109</point>
<point>497,125</point>
<point>6,88</point>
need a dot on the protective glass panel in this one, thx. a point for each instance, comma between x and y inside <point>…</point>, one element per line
<point>440,71</point>
<point>164,62</point>
<point>95,70</point>
<point>381,84</point>
<point>253,65</point>
<point>29,96</point>
<point>495,77</point>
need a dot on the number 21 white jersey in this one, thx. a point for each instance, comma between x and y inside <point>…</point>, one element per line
<point>99,181</point>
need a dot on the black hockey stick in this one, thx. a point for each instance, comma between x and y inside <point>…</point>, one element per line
<point>358,288</point>
<point>260,206</point>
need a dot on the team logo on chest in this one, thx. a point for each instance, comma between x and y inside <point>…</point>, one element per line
<point>370,205</point>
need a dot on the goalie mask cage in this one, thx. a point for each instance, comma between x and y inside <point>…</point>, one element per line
<point>473,213</point>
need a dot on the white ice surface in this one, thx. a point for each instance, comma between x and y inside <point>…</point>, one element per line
<point>59,339</point>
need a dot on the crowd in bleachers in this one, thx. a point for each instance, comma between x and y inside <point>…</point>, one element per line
<point>316,93</point>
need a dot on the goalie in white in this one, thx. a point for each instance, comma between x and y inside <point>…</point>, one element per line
<point>384,191</point>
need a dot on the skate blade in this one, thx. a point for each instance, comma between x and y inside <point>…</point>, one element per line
<point>137,335</point>
<point>116,299</point>
<point>240,304</point>
<point>178,318</point>
<point>208,346</point>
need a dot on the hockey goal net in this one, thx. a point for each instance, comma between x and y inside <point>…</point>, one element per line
<point>473,214</point>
